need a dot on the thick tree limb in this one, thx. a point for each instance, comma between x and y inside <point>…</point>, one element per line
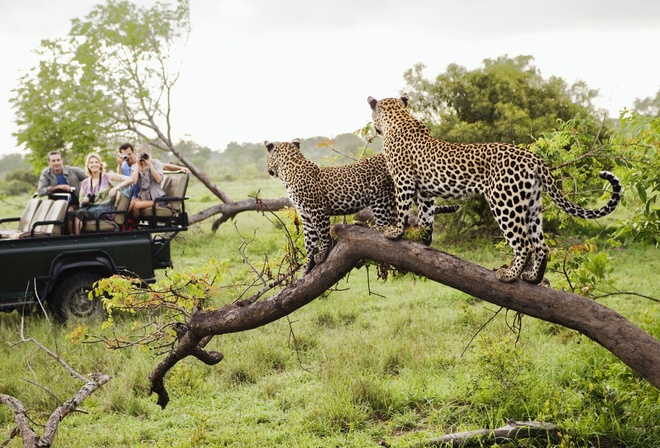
<point>354,244</point>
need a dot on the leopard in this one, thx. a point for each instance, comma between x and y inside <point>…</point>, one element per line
<point>510,178</point>
<point>320,192</point>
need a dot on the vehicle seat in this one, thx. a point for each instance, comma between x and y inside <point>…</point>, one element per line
<point>169,210</point>
<point>103,224</point>
<point>24,221</point>
<point>49,219</point>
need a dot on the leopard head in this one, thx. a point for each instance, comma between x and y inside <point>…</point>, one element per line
<point>387,106</point>
<point>279,154</point>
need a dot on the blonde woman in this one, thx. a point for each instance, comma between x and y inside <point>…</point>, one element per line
<point>95,197</point>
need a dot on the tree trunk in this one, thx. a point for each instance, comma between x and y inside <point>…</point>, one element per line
<point>354,244</point>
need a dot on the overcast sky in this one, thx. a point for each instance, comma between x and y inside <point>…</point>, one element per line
<point>274,70</point>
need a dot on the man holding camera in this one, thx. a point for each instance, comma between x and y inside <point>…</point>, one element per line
<point>146,175</point>
<point>126,159</point>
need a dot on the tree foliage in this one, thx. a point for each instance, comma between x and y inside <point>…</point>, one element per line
<point>110,79</point>
<point>506,100</point>
<point>649,106</point>
<point>636,142</point>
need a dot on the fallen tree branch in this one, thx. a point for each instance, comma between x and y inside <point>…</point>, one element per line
<point>513,431</point>
<point>355,244</point>
<point>230,209</point>
<point>21,418</point>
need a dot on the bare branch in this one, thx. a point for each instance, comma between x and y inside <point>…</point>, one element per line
<point>24,428</point>
<point>513,431</point>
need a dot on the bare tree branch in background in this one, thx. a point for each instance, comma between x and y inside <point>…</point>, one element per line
<point>24,425</point>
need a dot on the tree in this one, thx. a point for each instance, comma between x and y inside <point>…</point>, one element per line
<point>507,100</point>
<point>649,106</point>
<point>354,246</point>
<point>111,79</point>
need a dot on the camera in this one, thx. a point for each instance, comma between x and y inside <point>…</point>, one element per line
<point>91,197</point>
<point>125,157</point>
<point>144,156</point>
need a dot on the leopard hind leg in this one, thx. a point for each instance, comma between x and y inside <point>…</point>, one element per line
<point>383,207</point>
<point>538,262</point>
<point>426,209</point>
<point>510,219</point>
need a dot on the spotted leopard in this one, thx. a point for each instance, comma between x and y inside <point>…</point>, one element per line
<point>321,192</point>
<point>510,178</point>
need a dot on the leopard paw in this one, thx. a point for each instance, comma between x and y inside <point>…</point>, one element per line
<point>392,232</point>
<point>505,275</point>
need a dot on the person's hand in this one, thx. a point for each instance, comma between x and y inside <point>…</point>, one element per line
<point>120,159</point>
<point>61,187</point>
<point>113,192</point>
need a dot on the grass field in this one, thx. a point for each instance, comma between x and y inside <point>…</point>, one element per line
<point>372,361</point>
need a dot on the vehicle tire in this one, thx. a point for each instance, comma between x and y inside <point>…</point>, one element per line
<point>72,302</point>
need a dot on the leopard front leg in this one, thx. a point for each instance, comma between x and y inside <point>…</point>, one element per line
<point>320,227</point>
<point>311,240</point>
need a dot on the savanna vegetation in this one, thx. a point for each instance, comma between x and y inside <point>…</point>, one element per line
<point>384,356</point>
<point>400,360</point>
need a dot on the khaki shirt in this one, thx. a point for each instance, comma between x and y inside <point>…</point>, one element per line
<point>72,174</point>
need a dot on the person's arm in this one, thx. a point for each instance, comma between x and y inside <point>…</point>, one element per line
<point>115,177</point>
<point>173,167</point>
<point>44,185</point>
<point>85,187</point>
<point>156,170</point>
<point>120,163</point>
<point>126,181</point>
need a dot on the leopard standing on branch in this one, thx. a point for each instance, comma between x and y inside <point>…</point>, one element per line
<point>510,178</point>
<point>321,192</point>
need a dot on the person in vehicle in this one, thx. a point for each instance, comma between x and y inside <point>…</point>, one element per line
<point>58,178</point>
<point>95,194</point>
<point>146,175</point>
<point>126,159</point>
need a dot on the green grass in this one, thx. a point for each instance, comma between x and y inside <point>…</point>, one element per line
<point>371,361</point>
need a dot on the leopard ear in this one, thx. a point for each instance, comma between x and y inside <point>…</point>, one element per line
<point>269,146</point>
<point>296,142</point>
<point>404,100</point>
<point>372,102</point>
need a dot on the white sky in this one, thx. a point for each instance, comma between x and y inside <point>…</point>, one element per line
<point>274,70</point>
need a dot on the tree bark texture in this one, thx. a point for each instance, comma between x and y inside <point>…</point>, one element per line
<point>354,244</point>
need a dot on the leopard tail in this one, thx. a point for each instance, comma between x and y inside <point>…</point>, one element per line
<point>574,209</point>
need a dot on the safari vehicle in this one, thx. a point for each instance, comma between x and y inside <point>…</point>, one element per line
<point>40,264</point>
